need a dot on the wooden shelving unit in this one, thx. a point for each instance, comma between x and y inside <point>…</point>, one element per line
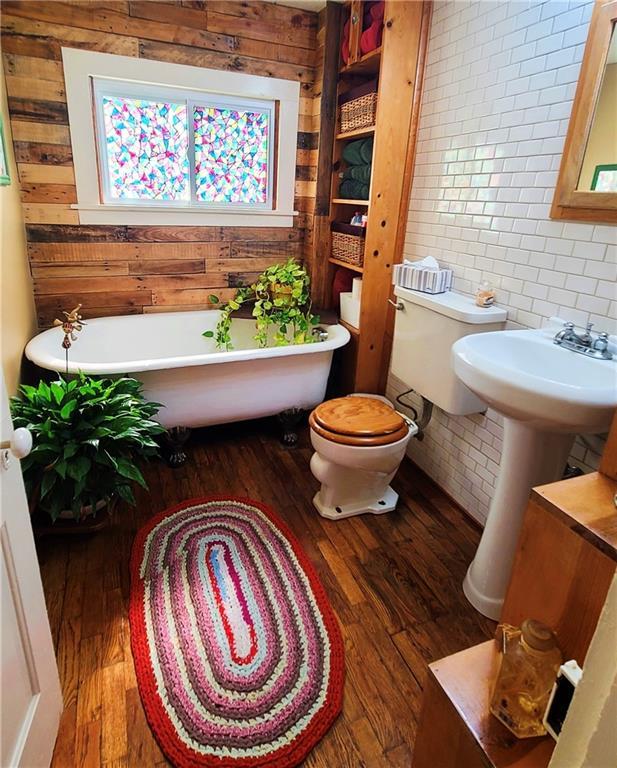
<point>351,328</point>
<point>368,64</point>
<point>359,133</point>
<point>340,263</point>
<point>460,732</point>
<point>398,65</point>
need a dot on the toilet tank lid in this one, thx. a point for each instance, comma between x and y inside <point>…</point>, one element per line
<point>458,306</point>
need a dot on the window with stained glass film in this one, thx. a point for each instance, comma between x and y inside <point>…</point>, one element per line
<point>231,154</point>
<point>165,146</point>
<point>147,149</point>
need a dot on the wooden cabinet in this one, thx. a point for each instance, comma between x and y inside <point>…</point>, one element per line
<point>565,562</point>
<point>398,65</point>
<point>457,729</point>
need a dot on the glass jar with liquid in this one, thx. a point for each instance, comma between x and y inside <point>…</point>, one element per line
<point>529,665</point>
<point>485,294</point>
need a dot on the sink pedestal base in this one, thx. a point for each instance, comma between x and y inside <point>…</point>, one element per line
<point>529,458</point>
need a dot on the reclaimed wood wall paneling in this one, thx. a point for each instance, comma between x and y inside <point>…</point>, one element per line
<point>120,269</point>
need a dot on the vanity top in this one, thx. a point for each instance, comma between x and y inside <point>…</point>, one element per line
<point>586,505</point>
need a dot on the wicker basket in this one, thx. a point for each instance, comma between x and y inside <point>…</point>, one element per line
<point>359,113</point>
<point>348,248</point>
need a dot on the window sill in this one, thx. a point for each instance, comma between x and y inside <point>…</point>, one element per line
<point>181,217</point>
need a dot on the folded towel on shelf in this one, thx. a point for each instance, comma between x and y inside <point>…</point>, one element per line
<point>373,28</point>
<point>372,12</point>
<point>371,37</point>
<point>342,283</point>
<point>358,173</point>
<point>358,152</point>
<point>351,189</point>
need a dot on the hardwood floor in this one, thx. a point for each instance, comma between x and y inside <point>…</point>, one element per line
<point>394,582</point>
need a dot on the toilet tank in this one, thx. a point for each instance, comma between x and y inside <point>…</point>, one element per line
<point>425,329</point>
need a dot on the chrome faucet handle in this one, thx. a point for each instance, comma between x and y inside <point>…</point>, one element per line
<point>589,327</point>
<point>568,329</point>
<point>601,343</point>
<point>564,333</point>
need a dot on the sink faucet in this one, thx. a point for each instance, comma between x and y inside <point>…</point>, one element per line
<point>564,334</point>
<point>584,343</point>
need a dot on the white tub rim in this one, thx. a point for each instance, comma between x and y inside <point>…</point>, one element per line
<point>38,350</point>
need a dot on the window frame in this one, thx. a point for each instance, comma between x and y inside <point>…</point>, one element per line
<point>91,75</point>
<point>104,87</point>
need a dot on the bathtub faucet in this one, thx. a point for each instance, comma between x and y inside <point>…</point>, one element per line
<point>321,333</point>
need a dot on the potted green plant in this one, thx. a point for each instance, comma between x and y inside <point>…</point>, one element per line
<point>281,299</point>
<point>88,435</point>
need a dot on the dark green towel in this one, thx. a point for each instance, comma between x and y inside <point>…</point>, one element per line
<point>358,173</point>
<point>366,150</point>
<point>353,190</point>
<point>358,152</point>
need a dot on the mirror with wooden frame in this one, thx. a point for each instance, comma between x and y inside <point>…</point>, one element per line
<point>587,184</point>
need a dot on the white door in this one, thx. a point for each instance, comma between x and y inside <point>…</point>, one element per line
<point>31,698</point>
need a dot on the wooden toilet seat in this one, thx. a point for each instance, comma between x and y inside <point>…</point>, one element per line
<point>360,421</point>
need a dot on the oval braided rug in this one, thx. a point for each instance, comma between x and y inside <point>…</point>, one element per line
<point>238,654</point>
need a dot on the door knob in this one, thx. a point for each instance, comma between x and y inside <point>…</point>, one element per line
<point>20,444</point>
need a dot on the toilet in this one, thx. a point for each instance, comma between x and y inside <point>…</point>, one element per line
<point>359,443</point>
<point>360,440</point>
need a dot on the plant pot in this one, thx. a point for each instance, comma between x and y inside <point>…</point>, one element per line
<point>282,292</point>
<point>69,526</point>
<point>86,511</point>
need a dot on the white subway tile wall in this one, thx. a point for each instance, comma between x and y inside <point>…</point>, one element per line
<point>500,79</point>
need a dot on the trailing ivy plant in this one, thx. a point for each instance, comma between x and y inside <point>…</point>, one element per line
<point>281,299</point>
<point>88,435</point>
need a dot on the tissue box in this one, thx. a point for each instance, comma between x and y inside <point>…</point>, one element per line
<point>426,280</point>
<point>350,309</point>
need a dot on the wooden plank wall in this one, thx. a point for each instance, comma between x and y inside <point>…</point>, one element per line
<point>315,112</point>
<point>126,269</point>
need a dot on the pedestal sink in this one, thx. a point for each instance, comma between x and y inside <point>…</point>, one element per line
<point>547,394</point>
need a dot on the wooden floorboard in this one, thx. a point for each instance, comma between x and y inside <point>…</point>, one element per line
<point>394,582</point>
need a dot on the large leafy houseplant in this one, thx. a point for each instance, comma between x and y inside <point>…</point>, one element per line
<point>281,298</point>
<point>88,434</point>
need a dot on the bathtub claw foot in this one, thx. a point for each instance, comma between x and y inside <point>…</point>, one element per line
<point>175,440</point>
<point>289,421</point>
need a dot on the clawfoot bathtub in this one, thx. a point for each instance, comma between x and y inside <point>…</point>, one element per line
<point>197,384</point>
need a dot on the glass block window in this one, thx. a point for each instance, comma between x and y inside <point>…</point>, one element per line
<point>146,149</point>
<point>167,148</point>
